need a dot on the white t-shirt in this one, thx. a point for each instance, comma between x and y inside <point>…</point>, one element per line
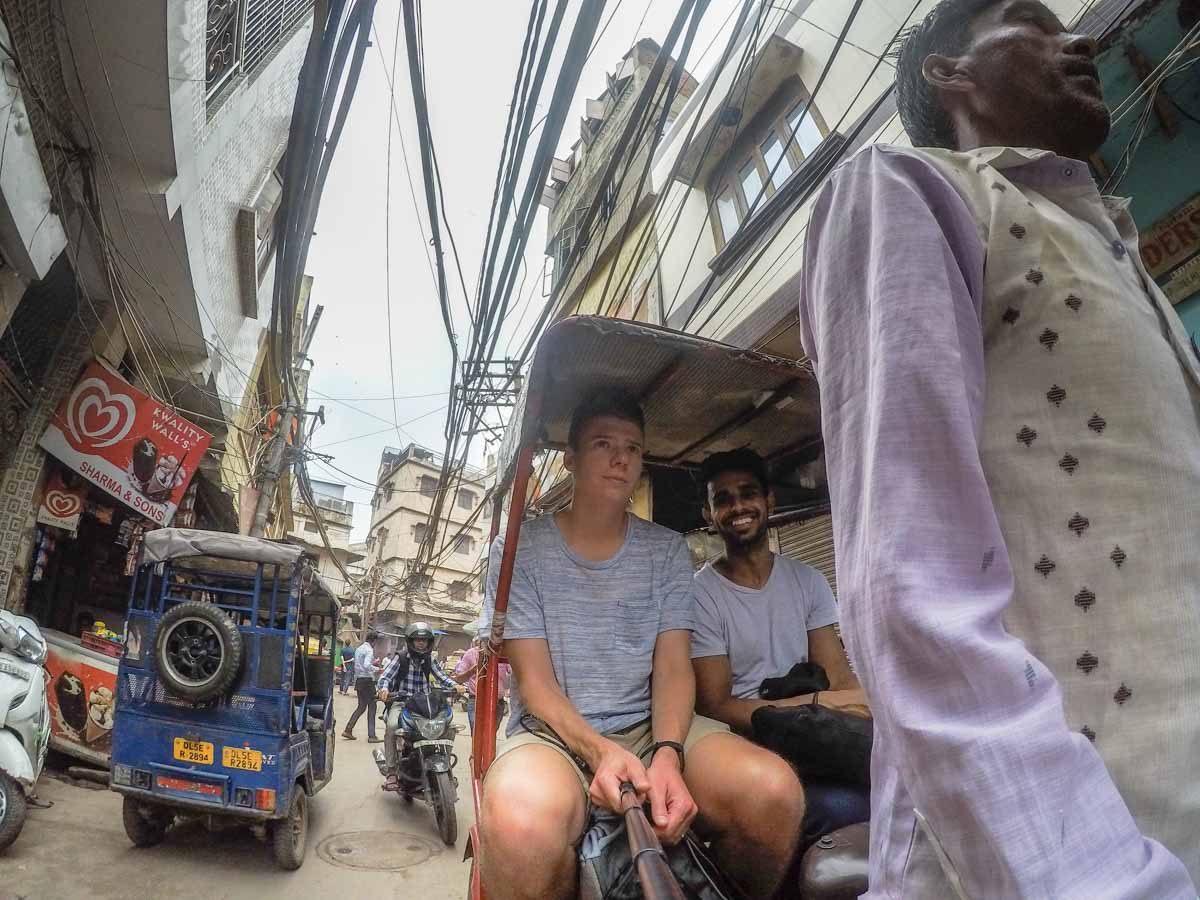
<point>764,632</point>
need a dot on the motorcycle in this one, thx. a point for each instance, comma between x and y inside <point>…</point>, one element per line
<point>24,719</point>
<point>425,750</point>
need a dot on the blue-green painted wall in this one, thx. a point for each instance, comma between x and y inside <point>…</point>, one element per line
<point>1165,173</point>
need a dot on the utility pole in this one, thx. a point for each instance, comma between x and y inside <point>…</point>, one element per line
<point>274,467</point>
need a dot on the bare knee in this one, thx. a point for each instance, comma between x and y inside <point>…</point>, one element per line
<point>749,790</point>
<point>531,814</point>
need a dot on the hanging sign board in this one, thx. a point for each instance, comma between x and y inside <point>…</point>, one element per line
<point>126,443</point>
<point>61,506</point>
<point>1171,251</point>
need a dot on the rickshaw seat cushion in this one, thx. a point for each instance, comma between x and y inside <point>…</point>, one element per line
<point>835,867</point>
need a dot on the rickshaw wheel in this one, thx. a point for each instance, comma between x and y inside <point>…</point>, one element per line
<point>144,829</point>
<point>289,837</point>
<point>198,651</point>
<point>443,806</point>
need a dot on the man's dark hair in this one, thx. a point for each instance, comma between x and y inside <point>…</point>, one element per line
<point>604,401</point>
<point>371,636</point>
<point>945,31</point>
<point>741,460</point>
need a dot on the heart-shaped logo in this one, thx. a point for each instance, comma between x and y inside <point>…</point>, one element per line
<point>96,417</point>
<point>62,504</point>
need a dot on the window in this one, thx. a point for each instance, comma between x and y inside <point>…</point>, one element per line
<point>428,485</point>
<point>763,159</point>
<point>459,591</point>
<point>389,490</point>
<point>466,499</point>
<point>310,525</point>
<point>418,531</point>
<point>421,583</point>
<point>464,544</point>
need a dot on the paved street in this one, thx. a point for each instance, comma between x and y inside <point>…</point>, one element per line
<point>79,849</point>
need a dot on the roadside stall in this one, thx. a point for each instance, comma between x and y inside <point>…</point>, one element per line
<point>123,466</point>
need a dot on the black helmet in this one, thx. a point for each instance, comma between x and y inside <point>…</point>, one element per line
<point>415,632</point>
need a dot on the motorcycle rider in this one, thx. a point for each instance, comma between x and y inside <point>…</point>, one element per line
<point>407,674</point>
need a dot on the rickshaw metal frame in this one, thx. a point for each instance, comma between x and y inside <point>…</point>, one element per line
<point>650,361</point>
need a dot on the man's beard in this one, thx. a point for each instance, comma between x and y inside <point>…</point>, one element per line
<point>733,539</point>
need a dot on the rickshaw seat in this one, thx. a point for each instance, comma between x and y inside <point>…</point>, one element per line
<point>835,867</point>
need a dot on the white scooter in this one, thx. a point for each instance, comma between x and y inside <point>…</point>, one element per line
<point>24,719</point>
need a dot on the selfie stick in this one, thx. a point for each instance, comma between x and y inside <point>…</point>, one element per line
<point>658,882</point>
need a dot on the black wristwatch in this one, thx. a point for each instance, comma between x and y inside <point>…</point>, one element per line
<point>674,745</point>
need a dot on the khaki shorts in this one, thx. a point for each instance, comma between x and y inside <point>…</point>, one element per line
<point>637,739</point>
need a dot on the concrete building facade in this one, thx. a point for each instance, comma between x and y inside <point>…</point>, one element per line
<point>448,595</point>
<point>137,197</point>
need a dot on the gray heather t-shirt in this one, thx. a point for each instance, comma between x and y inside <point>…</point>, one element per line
<point>600,619</point>
<point>763,632</point>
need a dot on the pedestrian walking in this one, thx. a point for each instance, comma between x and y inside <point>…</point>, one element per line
<point>347,675</point>
<point>468,670</point>
<point>365,671</point>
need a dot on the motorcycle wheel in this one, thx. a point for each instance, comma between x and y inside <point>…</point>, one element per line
<point>289,837</point>
<point>12,810</point>
<point>443,806</point>
<point>142,829</point>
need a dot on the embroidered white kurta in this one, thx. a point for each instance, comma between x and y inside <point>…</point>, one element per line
<point>1012,423</point>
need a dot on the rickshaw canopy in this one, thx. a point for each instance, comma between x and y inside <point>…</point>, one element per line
<point>699,396</point>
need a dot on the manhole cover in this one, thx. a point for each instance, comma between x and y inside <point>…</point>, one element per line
<point>384,851</point>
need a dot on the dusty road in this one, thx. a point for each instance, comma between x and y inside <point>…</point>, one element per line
<point>78,848</point>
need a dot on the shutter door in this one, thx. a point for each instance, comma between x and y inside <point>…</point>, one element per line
<point>811,542</point>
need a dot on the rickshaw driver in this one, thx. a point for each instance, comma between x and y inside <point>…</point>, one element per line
<point>993,463</point>
<point>599,622</point>
<point>758,614</point>
<point>407,674</point>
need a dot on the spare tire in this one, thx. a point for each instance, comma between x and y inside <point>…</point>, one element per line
<point>198,651</point>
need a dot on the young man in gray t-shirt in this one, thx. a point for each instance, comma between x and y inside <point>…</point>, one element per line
<point>598,631</point>
<point>758,614</point>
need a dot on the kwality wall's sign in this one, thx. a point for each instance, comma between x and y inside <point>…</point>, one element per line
<point>126,443</point>
<point>1171,251</point>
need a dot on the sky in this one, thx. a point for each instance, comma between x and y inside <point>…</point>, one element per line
<point>368,238</point>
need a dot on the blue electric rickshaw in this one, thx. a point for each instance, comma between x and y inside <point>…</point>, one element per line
<point>225,690</point>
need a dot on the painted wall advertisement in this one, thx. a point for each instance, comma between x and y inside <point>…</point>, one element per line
<point>1171,251</point>
<point>126,443</point>
<point>83,686</point>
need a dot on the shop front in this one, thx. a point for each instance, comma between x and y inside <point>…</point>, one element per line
<point>120,465</point>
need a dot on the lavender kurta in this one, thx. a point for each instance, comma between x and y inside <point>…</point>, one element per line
<point>1012,425</point>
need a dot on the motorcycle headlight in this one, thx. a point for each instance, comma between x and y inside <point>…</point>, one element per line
<point>432,729</point>
<point>31,647</point>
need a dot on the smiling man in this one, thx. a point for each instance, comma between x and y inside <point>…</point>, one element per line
<point>1010,411</point>
<point>600,616</point>
<point>758,614</point>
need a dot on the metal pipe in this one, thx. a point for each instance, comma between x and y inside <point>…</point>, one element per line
<point>658,882</point>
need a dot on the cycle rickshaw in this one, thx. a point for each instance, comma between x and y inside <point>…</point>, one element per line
<point>699,397</point>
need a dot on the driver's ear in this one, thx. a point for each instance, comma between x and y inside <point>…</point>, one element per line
<point>949,73</point>
<point>706,512</point>
<point>569,459</point>
<point>770,501</point>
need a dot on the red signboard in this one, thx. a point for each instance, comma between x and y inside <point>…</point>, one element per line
<point>126,443</point>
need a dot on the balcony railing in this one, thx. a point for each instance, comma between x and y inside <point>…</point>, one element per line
<point>242,35</point>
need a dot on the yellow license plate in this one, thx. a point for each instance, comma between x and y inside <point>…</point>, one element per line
<point>238,758</point>
<point>194,751</point>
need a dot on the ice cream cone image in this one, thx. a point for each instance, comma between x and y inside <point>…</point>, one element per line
<point>100,715</point>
